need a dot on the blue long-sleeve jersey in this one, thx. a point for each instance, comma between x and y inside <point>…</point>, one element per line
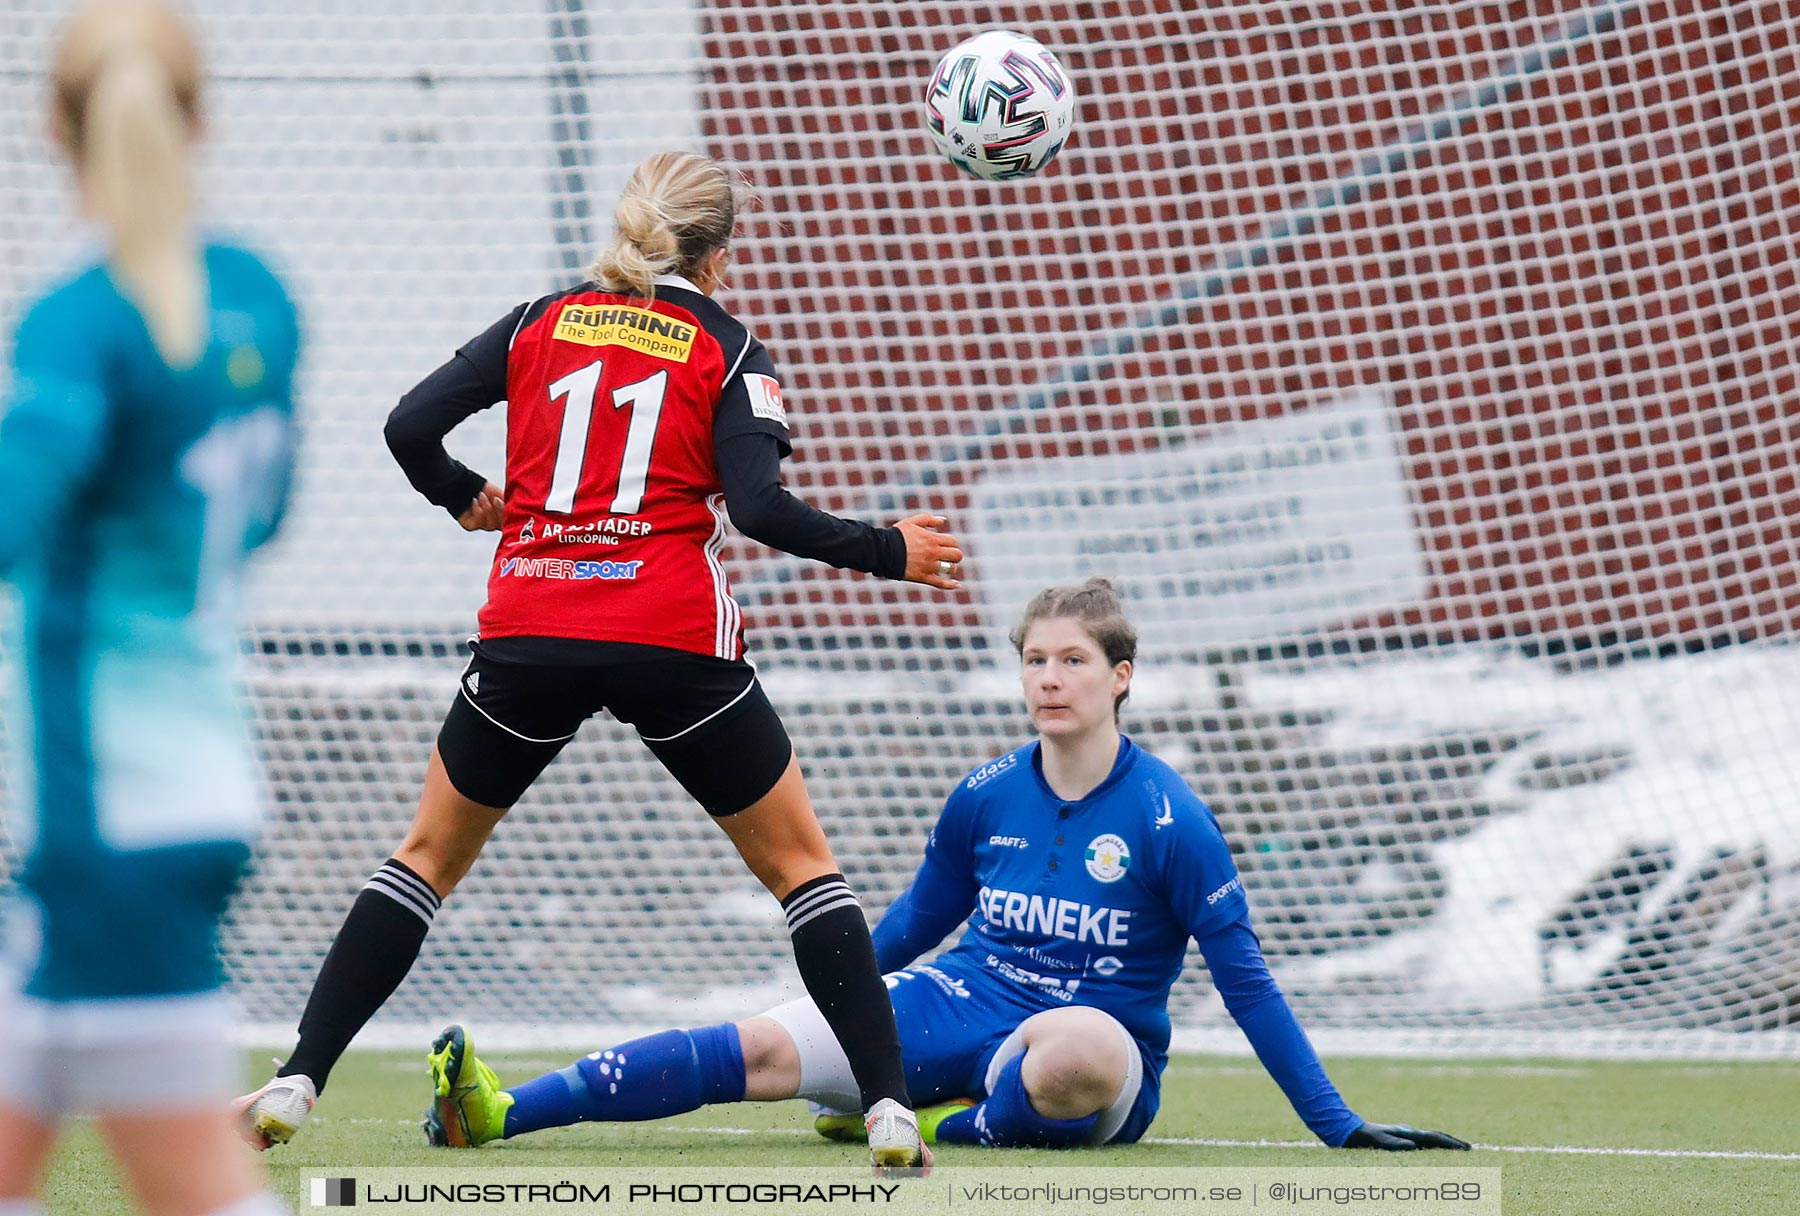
<point>1093,903</point>
<point>136,491</point>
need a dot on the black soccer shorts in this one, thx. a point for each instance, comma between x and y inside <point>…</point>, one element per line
<point>707,719</point>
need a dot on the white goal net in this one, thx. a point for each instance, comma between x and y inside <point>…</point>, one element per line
<point>1425,374</point>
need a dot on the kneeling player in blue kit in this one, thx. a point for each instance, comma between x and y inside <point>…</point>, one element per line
<point>1083,865</point>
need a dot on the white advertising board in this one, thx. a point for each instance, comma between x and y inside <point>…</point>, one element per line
<point>1267,529</point>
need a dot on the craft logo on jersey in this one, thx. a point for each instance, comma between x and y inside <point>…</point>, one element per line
<point>638,329</point>
<point>1108,858</point>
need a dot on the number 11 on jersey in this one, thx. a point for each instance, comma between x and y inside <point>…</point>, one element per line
<point>577,389</point>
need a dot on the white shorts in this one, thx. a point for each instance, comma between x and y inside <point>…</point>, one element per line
<point>826,1079</point>
<point>131,1056</point>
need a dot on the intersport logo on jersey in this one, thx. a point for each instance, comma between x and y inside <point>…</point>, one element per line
<point>556,567</point>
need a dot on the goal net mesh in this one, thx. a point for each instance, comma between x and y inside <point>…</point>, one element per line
<point>1424,375</point>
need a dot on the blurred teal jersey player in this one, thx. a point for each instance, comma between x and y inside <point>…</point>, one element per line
<point>146,446</point>
<point>138,489</point>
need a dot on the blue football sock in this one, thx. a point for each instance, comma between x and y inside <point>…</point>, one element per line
<point>1008,1120</point>
<point>666,1074</point>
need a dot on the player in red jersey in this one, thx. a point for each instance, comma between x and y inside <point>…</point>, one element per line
<point>639,413</point>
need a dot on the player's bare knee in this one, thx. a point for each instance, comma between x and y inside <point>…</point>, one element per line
<point>1068,1077</point>
<point>780,839</point>
<point>781,868</point>
<point>771,1061</point>
<point>442,854</point>
<point>1075,1061</point>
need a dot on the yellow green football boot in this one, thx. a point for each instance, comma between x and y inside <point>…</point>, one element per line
<point>468,1107</point>
<point>850,1128</point>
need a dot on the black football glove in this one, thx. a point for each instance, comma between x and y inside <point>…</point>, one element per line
<point>1399,1138</point>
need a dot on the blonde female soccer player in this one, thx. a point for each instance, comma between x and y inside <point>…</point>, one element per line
<point>145,451</point>
<point>639,412</point>
<point>1083,866</point>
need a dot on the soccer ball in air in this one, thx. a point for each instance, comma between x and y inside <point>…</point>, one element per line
<point>1000,105</point>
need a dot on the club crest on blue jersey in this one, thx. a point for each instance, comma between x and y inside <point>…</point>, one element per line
<point>1108,858</point>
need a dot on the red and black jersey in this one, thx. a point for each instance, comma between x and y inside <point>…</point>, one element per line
<point>618,410</point>
<point>614,511</point>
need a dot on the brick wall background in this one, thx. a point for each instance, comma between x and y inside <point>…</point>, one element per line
<point>1583,303</point>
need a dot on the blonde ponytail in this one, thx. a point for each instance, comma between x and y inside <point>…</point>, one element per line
<point>135,167</point>
<point>677,208</point>
<point>126,104</point>
<point>643,246</point>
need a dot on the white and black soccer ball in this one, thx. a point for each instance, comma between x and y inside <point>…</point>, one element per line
<point>1000,105</point>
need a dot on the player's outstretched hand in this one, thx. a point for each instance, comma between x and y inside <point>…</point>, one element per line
<point>486,512</point>
<point>1399,1138</point>
<point>931,553</point>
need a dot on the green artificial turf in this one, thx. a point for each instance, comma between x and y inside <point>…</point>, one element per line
<point>1523,1116</point>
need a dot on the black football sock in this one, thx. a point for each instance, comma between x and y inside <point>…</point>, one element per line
<point>373,952</point>
<point>837,964</point>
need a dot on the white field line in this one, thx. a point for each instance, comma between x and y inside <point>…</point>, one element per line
<point>1569,1150</point>
<point>1565,1150</point>
<point>1254,1069</point>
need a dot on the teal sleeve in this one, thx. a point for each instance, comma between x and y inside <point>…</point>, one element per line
<point>54,430</point>
<point>281,395</point>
